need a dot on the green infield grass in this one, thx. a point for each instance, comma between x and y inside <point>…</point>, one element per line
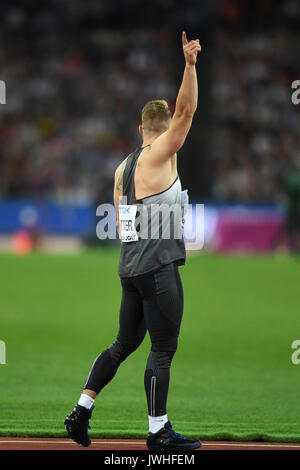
<point>232,376</point>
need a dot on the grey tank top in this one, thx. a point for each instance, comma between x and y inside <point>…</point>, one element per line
<point>152,234</point>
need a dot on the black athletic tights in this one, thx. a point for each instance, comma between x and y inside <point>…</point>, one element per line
<point>153,302</point>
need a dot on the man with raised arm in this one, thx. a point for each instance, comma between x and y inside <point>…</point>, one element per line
<point>152,294</point>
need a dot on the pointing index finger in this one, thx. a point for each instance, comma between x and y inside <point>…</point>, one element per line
<point>184,38</point>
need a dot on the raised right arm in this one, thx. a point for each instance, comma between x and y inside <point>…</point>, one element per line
<point>173,139</point>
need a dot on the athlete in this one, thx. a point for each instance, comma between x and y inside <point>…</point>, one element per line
<point>152,294</point>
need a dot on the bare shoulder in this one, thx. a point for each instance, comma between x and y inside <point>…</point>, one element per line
<point>120,167</point>
<point>149,156</point>
<point>163,149</point>
<point>119,174</point>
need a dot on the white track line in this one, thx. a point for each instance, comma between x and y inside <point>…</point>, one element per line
<point>289,446</point>
<point>204,444</point>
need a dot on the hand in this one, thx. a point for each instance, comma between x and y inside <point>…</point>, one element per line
<point>190,49</point>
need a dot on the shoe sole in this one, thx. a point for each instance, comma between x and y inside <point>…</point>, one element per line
<point>177,448</point>
<point>72,437</point>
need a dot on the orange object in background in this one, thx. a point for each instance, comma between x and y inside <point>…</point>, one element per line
<point>22,243</point>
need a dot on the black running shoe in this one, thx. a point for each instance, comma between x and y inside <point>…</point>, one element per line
<point>77,425</point>
<point>167,439</point>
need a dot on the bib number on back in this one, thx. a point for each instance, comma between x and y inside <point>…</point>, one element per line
<point>127,215</point>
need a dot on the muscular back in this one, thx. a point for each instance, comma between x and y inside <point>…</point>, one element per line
<point>151,179</point>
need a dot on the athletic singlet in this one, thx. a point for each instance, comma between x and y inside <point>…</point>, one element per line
<point>150,228</point>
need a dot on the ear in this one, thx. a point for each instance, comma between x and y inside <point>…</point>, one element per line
<point>141,129</point>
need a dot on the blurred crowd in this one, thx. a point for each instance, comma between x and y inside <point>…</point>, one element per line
<point>76,86</point>
<point>69,117</point>
<point>256,127</point>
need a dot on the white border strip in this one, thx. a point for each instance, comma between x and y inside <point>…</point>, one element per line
<point>126,443</point>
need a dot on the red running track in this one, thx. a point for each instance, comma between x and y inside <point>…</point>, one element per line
<point>39,443</point>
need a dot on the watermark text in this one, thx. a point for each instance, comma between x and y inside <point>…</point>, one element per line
<point>2,92</point>
<point>296,94</point>
<point>2,352</point>
<point>155,221</point>
<point>296,354</point>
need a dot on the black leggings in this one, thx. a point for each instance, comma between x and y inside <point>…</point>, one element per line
<point>153,302</point>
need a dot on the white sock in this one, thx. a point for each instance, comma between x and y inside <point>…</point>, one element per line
<point>86,401</point>
<point>157,422</point>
